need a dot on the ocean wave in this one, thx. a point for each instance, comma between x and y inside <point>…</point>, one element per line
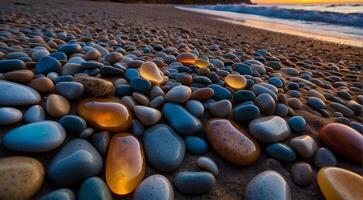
<point>347,19</point>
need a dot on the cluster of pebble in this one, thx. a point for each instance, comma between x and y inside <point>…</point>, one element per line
<point>113,103</point>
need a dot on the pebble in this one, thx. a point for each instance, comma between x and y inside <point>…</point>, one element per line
<point>178,94</point>
<point>9,116</point>
<point>73,123</point>
<point>180,119</point>
<point>316,103</point>
<point>140,85</point>
<point>42,84</point>
<point>302,173</point>
<point>281,110</point>
<point>70,90</point>
<point>202,94</point>
<point>305,145</point>
<point>208,164</point>
<point>155,187</point>
<point>295,103</point>
<point>338,183</point>
<point>222,108</point>
<point>324,158</point>
<point>40,136</point>
<point>8,65</point>
<point>19,76</point>
<point>265,103</point>
<point>125,164</point>
<point>86,133</point>
<point>267,184</point>
<point>281,152</point>
<point>201,63</point>
<point>164,148</point>
<point>231,142</point>
<point>57,106</point>
<point>245,112</point>
<point>34,114</point>
<point>75,162</point>
<point>269,129</point>
<point>343,140</point>
<point>220,92</point>
<point>189,182</point>
<point>20,177</point>
<point>100,141</point>
<point>47,64</point>
<point>95,87</point>
<point>186,58</point>
<point>150,71</point>
<point>342,109</point>
<point>261,89</point>
<point>147,116</point>
<point>59,194</point>
<point>196,145</point>
<point>106,113</point>
<point>113,57</point>
<point>297,123</point>
<point>235,81</point>
<point>195,107</point>
<point>243,95</point>
<point>94,188</point>
<point>14,94</point>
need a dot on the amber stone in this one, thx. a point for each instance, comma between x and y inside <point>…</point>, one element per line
<point>151,72</point>
<point>343,140</point>
<point>231,142</point>
<point>201,63</point>
<point>340,184</point>
<point>236,81</point>
<point>186,59</point>
<point>105,113</point>
<point>125,164</point>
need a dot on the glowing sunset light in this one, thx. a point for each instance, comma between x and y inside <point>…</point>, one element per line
<point>304,1</point>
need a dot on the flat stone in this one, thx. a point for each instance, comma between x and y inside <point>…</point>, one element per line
<point>155,187</point>
<point>281,152</point>
<point>7,65</point>
<point>14,94</point>
<point>9,116</point>
<point>194,182</point>
<point>95,87</point>
<point>269,129</point>
<point>19,76</point>
<point>178,94</point>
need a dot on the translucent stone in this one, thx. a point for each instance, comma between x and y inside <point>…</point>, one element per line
<point>235,81</point>
<point>105,113</point>
<point>201,63</point>
<point>186,58</point>
<point>151,72</point>
<point>340,184</point>
<point>125,164</point>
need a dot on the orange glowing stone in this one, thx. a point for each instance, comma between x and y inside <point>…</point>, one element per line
<point>340,184</point>
<point>186,58</point>
<point>235,81</point>
<point>201,63</point>
<point>105,113</point>
<point>125,164</point>
<point>151,72</point>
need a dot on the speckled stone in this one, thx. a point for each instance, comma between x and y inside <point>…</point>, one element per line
<point>155,187</point>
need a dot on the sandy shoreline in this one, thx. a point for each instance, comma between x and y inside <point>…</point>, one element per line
<point>292,50</point>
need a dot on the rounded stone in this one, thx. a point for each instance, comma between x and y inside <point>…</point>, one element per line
<point>302,173</point>
<point>222,108</point>
<point>34,114</point>
<point>202,94</point>
<point>100,141</point>
<point>304,145</point>
<point>164,148</point>
<point>70,90</point>
<point>95,87</point>
<point>231,142</point>
<point>7,65</point>
<point>40,136</point>
<point>243,95</point>
<point>269,129</point>
<point>106,114</point>
<point>140,85</point>
<point>150,71</point>
<point>9,116</point>
<point>196,145</point>
<point>265,103</point>
<point>340,184</point>
<point>125,164</point>
<point>195,107</point>
<point>180,119</point>
<point>57,106</point>
<point>155,187</point>
<point>343,140</point>
<point>220,92</point>
<point>75,162</point>
<point>208,164</point>
<point>186,58</point>
<point>14,94</point>
<point>267,184</point>
<point>113,57</point>
<point>178,94</point>
<point>94,188</point>
<point>20,177</point>
<point>47,64</point>
<point>297,123</point>
<point>147,116</point>
<point>324,158</point>
<point>194,182</point>
<point>42,84</point>
<point>20,76</point>
<point>73,123</point>
<point>245,112</point>
<point>235,81</point>
<point>281,152</point>
<point>316,103</point>
<point>59,194</point>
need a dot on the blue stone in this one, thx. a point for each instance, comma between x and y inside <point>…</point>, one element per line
<point>123,90</point>
<point>316,103</point>
<point>243,95</point>
<point>276,81</point>
<point>281,152</point>
<point>59,56</point>
<point>140,85</point>
<point>294,93</point>
<point>14,94</point>
<point>100,141</point>
<point>47,64</point>
<point>196,145</point>
<point>164,148</point>
<point>9,116</point>
<point>180,119</point>
<point>297,123</point>
<point>70,49</point>
<point>155,187</point>
<point>70,90</point>
<point>73,123</point>
<point>220,92</point>
<point>35,137</point>
<point>94,188</point>
<point>11,65</point>
<point>74,163</point>
<point>131,74</point>
<point>293,85</point>
<point>195,107</point>
<point>281,110</point>
<point>208,164</point>
<point>202,79</point>
<point>60,194</point>
<point>64,78</point>
<point>34,114</point>
<point>245,112</point>
<point>260,89</point>
<point>194,182</point>
<point>243,68</point>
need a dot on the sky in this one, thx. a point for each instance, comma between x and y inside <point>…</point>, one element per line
<point>307,1</point>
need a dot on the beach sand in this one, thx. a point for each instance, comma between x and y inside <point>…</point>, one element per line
<point>203,30</point>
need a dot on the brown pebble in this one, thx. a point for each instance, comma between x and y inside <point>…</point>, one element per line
<point>19,76</point>
<point>202,94</point>
<point>57,106</point>
<point>42,84</point>
<point>96,87</point>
